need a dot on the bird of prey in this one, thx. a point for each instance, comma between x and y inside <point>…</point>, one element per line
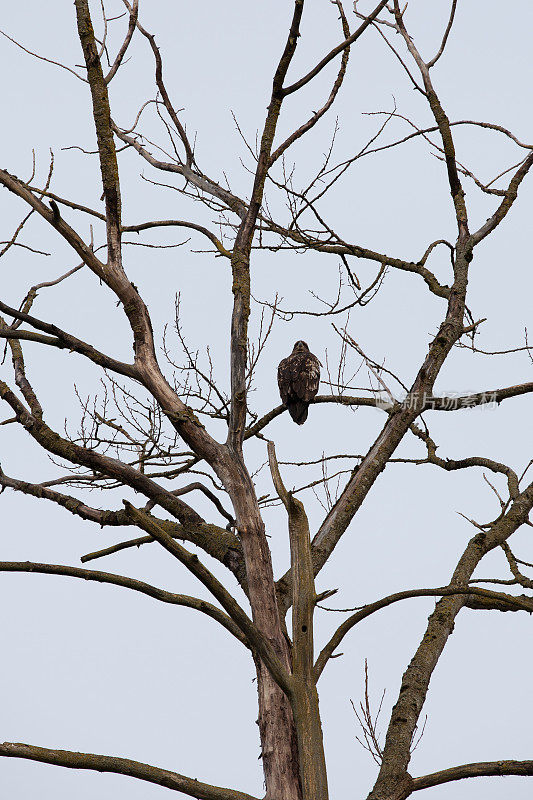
<point>298,379</point>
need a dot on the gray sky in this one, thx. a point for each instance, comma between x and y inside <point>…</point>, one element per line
<point>98,669</point>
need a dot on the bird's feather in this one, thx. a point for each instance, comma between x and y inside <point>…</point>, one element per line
<point>298,381</point>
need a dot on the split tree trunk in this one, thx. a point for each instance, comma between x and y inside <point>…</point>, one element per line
<point>279,748</point>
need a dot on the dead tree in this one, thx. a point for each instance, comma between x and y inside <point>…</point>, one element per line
<point>157,434</point>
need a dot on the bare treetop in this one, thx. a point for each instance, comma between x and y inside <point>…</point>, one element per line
<point>164,444</point>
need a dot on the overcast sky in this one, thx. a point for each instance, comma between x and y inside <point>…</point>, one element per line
<point>98,669</point>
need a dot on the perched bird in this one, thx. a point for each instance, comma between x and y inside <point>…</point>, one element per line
<point>298,379</point>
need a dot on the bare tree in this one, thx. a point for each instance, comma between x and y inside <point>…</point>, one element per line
<point>154,425</point>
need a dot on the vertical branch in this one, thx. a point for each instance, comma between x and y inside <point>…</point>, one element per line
<point>240,262</point>
<point>20,376</point>
<point>443,124</point>
<point>304,698</point>
<point>303,584</point>
<point>276,723</point>
<point>104,132</point>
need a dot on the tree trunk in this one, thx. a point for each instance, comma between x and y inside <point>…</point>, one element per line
<point>310,741</point>
<point>279,748</point>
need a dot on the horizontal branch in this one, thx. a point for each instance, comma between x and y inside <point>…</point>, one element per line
<point>475,770</point>
<point>345,248</point>
<point>477,399</point>
<point>139,226</point>
<point>179,223</point>
<point>341,399</point>
<point>128,583</point>
<point>122,766</point>
<point>523,603</point>
<point>429,403</point>
<point>217,542</point>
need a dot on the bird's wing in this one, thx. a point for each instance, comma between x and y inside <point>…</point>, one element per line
<point>285,379</point>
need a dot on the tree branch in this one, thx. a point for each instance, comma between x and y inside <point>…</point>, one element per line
<point>163,90</point>
<point>510,196</point>
<point>443,123</point>
<point>217,542</point>
<point>255,639</point>
<point>445,37</point>
<point>53,443</point>
<point>475,770</point>
<point>150,374</point>
<point>303,584</point>
<point>21,379</point>
<point>336,50</point>
<point>147,368</point>
<point>500,600</point>
<point>329,102</point>
<point>70,503</point>
<point>304,699</point>
<point>19,188</point>
<point>122,766</point>
<point>179,223</point>
<point>104,133</point>
<point>240,262</point>
<point>477,399</point>
<point>415,681</point>
<point>345,248</point>
<point>126,43</point>
<point>62,340</point>
<point>197,179</point>
<point>129,583</point>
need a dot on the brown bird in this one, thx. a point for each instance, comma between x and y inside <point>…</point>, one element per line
<point>298,379</point>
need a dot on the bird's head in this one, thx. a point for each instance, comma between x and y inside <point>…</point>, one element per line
<point>300,347</point>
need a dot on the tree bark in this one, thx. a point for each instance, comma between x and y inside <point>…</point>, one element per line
<point>304,695</point>
<point>279,747</point>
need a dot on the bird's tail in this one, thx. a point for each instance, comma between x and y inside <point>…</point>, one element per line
<point>298,411</point>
